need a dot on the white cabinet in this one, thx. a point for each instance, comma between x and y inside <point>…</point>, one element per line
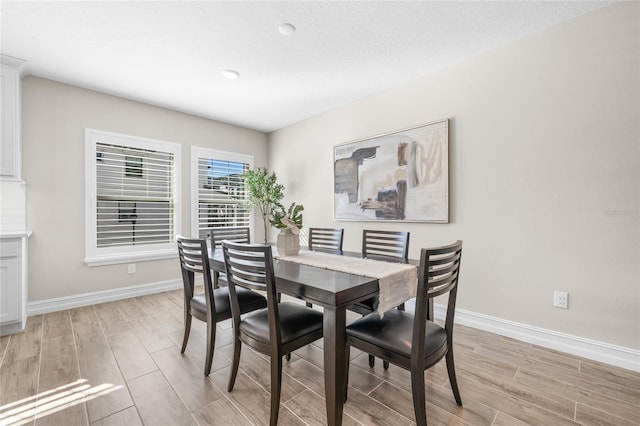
<point>13,233</point>
<point>13,284</point>
<point>10,151</point>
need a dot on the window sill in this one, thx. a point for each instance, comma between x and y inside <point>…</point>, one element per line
<point>129,257</point>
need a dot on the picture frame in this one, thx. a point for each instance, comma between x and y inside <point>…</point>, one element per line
<point>401,176</point>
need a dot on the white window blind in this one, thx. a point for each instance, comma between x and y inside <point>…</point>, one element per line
<point>133,201</point>
<point>219,190</point>
<point>134,195</point>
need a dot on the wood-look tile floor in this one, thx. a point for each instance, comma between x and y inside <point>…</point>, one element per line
<point>119,363</point>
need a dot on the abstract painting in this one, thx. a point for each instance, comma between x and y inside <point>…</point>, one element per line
<point>399,176</point>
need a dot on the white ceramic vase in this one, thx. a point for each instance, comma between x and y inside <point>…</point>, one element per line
<point>288,243</point>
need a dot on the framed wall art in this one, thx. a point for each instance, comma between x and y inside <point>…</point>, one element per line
<point>399,176</point>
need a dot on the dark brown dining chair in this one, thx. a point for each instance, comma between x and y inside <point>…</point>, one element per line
<point>412,341</point>
<point>275,331</point>
<point>326,239</point>
<point>218,235</point>
<point>213,305</point>
<point>388,246</point>
<point>238,235</point>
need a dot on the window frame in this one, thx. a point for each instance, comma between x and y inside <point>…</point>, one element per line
<point>97,256</point>
<point>210,153</point>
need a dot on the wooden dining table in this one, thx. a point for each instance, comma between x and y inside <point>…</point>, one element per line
<point>334,291</point>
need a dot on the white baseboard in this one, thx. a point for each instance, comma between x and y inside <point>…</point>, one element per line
<point>574,345</point>
<point>85,299</point>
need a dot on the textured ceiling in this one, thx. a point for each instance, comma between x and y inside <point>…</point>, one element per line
<point>171,53</point>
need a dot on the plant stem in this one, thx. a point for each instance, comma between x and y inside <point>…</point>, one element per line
<point>266,229</point>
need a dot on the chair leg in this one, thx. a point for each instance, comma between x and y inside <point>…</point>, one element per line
<point>237,346</point>
<point>372,361</point>
<point>288,356</point>
<point>211,341</point>
<point>451,369</point>
<point>276,385</point>
<point>187,331</point>
<point>417,389</point>
<point>385,364</point>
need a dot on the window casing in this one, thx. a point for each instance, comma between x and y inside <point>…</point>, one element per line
<point>218,194</point>
<point>132,198</point>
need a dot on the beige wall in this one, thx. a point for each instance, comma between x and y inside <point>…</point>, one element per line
<point>544,173</point>
<point>54,117</point>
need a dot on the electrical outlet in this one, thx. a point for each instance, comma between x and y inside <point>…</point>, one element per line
<point>561,299</point>
<point>131,268</point>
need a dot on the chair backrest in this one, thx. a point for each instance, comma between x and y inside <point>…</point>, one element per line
<point>238,235</point>
<point>392,246</point>
<point>438,274</point>
<point>194,259</point>
<point>251,266</point>
<point>327,239</point>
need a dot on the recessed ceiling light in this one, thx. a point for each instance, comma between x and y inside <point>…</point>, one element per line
<point>286,29</point>
<point>230,74</point>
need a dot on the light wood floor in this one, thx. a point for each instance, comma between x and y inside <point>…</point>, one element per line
<point>119,363</point>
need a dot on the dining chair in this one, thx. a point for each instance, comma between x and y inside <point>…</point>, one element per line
<point>275,331</point>
<point>326,239</point>
<point>412,341</point>
<point>218,235</point>
<point>214,304</point>
<point>388,246</point>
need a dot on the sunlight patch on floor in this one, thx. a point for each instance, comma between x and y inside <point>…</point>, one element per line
<point>51,401</point>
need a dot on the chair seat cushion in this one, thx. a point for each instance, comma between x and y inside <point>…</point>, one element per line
<point>247,299</point>
<point>394,332</point>
<point>295,321</point>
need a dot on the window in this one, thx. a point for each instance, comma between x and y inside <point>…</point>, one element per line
<point>132,198</point>
<point>217,190</point>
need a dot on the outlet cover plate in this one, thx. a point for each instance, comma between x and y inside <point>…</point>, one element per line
<point>561,299</point>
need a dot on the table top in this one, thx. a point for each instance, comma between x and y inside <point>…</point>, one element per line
<point>319,286</point>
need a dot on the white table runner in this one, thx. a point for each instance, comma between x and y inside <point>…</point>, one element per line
<point>398,282</point>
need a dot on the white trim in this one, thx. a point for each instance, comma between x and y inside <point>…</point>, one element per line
<point>579,346</point>
<point>61,303</point>
<point>12,61</point>
<point>131,257</point>
<point>106,255</point>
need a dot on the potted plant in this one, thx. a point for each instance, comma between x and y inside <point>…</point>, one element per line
<point>264,192</point>
<point>289,222</point>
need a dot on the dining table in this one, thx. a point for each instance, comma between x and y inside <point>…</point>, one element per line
<point>334,291</point>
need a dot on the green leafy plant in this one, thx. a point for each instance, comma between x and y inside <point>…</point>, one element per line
<point>290,218</point>
<point>264,192</point>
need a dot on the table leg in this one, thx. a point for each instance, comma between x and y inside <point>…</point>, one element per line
<point>334,362</point>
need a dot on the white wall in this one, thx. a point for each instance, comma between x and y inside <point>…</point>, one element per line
<point>544,173</point>
<point>54,117</point>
